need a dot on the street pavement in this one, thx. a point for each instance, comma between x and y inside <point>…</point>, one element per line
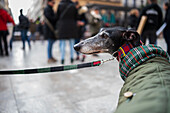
<point>88,90</point>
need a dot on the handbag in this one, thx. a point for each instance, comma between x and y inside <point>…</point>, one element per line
<point>55,31</point>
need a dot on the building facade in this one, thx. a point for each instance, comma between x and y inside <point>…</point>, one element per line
<point>5,3</point>
<point>124,5</point>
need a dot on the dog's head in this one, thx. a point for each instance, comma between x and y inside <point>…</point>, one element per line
<point>108,40</point>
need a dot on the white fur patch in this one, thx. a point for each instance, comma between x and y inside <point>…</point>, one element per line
<point>104,32</point>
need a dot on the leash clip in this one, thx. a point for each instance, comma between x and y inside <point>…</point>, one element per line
<point>104,61</point>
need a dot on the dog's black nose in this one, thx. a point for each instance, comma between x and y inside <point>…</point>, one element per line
<point>77,47</point>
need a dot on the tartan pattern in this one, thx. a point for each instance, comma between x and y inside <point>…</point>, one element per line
<point>137,56</point>
<point>123,50</point>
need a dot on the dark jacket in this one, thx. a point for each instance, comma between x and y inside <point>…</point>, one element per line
<point>154,17</point>
<point>82,29</point>
<point>67,25</point>
<point>132,21</point>
<point>50,15</point>
<point>167,18</point>
<point>23,22</point>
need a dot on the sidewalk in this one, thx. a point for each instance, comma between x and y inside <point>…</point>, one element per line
<point>88,90</point>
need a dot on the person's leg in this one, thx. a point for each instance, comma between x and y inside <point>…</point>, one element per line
<point>28,39</point>
<point>12,38</point>
<point>77,41</point>
<point>168,42</point>
<point>33,37</point>
<point>166,34</point>
<point>5,43</point>
<point>49,50</point>
<point>1,50</point>
<point>62,50</point>
<point>72,41</point>
<point>152,37</point>
<point>23,38</point>
<point>10,42</point>
<point>143,37</point>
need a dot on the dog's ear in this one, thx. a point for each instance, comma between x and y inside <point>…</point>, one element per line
<point>132,36</point>
<point>102,29</point>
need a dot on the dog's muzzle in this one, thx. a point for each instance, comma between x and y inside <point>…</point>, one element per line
<point>77,47</point>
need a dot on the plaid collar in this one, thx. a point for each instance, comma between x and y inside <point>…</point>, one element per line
<point>138,55</point>
<point>123,50</point>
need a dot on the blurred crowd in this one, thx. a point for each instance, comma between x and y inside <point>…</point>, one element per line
<point>73,22</point>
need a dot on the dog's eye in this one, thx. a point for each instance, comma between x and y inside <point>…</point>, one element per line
<point>104,35</point>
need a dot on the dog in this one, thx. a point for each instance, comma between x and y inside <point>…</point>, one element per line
<point>144,69</point>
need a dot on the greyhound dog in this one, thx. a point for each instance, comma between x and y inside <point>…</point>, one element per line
<point>145,69</point>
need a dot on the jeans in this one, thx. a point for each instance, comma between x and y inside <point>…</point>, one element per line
<point>62,48</point>
<point>24,37</point>
<point>50,46</point>
<point>12,38</point>
<point>76,42</point>
<point>32,36</point>
<point>166,34</point>
<point>11,41</point>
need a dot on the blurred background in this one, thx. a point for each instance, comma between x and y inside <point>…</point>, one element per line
<point>33,9</point>
<point>90,90</point>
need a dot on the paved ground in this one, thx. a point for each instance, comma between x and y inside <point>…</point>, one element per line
<point>90,90</point>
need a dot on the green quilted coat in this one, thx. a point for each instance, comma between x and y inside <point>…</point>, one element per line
<point>150,85</point>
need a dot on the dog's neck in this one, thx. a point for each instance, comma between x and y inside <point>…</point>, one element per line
<point>123,50</point>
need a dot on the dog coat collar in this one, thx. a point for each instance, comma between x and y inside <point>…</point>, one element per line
<point>137,56</point>
<point>123,50</point>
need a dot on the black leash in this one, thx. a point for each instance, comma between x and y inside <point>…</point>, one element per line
<point>55,69</point>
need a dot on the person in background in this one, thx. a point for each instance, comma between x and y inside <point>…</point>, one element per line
<point>166,31</point>
<point>40,30</point>
<point>32,29</point>
<point>48,33</point>
<point>154,21</point>
<point>4,18</point>
<point>81,23</point>
<point>67,27</point>
<point>94,21</point>
<point>24,26</point>
<point>133,18</point>
<point>105,19</point>
<point>12,38</point>
<point>112,19</point>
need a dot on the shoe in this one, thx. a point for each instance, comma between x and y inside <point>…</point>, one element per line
<point>83,58</point>
<point>72,60</point>
<point>54,59</point>
<point>10,48</point>
<point>7,54</point>
<point>78,58</point>
<point>51,60</point>
<point>1,54</point>
<point>62,61</point>
<point>23,48</point>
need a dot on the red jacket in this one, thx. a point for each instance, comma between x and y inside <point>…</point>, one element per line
<point>4,18</point>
